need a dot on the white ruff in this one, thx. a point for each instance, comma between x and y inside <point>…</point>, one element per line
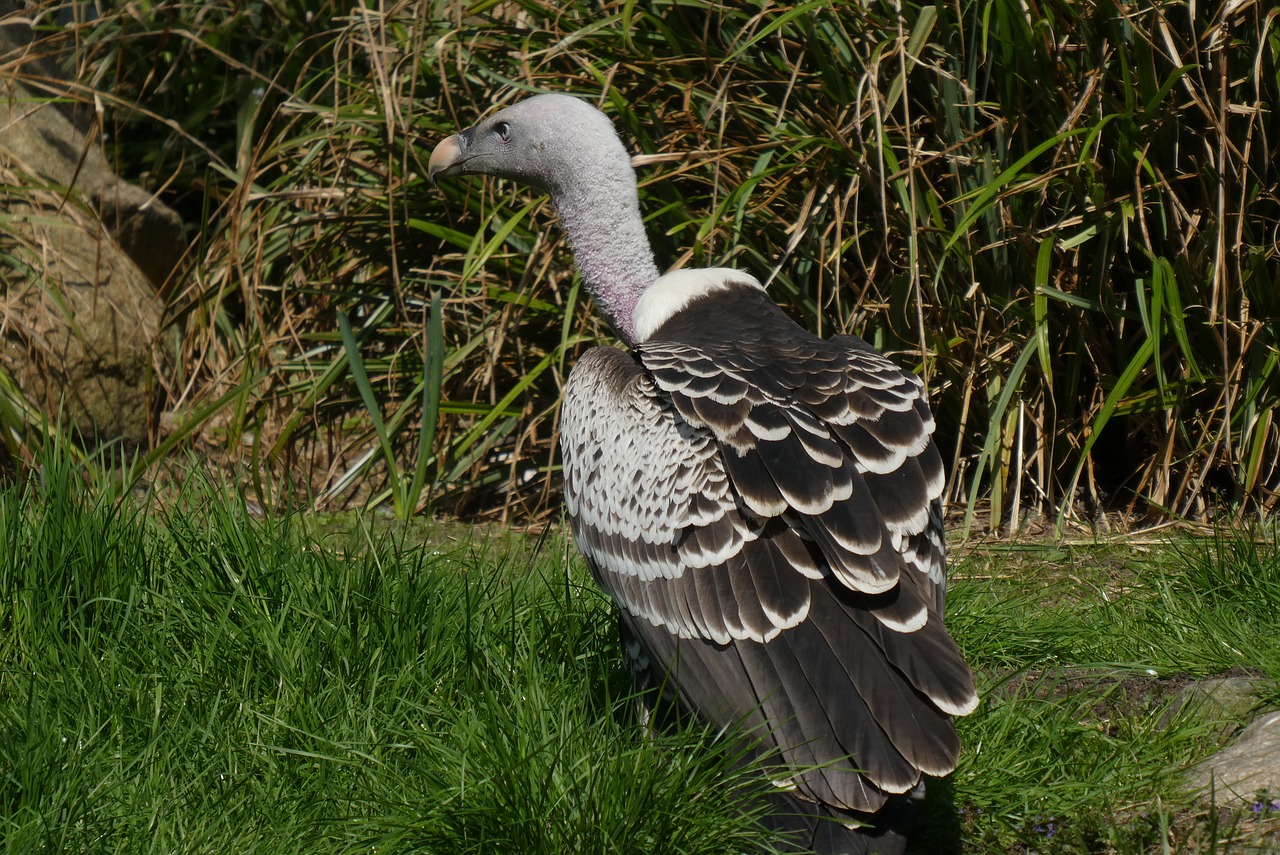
<point>671,293</point>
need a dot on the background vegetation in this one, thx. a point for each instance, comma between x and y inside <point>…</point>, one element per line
<point>1066,213</point>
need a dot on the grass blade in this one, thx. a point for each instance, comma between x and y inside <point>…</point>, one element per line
<point>374,411</point>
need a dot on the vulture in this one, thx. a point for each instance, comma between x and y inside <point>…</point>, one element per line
<point>764,506</point>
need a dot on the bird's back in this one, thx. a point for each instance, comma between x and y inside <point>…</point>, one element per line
<point>765,508</point>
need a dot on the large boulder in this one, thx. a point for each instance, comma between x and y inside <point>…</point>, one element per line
<point>1235,775</point>
<point>82,256</point>
<point>1247,767</point>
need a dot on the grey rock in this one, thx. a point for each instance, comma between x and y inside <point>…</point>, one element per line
<point>39,137</point>
<point>1249,765</point>
<point>82,254</point>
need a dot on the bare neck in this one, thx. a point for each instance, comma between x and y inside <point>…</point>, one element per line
<point>600,211</point>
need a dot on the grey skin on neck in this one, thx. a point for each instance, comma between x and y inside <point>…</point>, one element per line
<point>570,149</point>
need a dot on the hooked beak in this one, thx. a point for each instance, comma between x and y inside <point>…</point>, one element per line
<point>449,156</point>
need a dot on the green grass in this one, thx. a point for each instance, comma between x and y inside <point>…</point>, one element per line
<point>195,678</point>
<point>200,680</point>
<point>1081,650</point>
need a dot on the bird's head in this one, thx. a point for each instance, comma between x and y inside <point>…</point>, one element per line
<point>545,141</point>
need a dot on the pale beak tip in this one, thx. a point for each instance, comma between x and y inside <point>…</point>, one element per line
<point>444,156</point>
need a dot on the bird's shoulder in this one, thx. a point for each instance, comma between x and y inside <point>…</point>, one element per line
<point>734,334</point>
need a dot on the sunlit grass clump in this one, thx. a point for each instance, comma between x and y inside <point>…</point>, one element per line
<point>200,680</point>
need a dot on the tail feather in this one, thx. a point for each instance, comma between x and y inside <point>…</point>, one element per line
<point>807,826</point>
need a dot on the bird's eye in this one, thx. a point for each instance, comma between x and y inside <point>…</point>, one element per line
<point>504,130</point>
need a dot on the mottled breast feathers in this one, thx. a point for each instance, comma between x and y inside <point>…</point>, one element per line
<point>773,501</point>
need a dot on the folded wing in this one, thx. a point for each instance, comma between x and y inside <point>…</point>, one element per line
<point>765,508</point>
